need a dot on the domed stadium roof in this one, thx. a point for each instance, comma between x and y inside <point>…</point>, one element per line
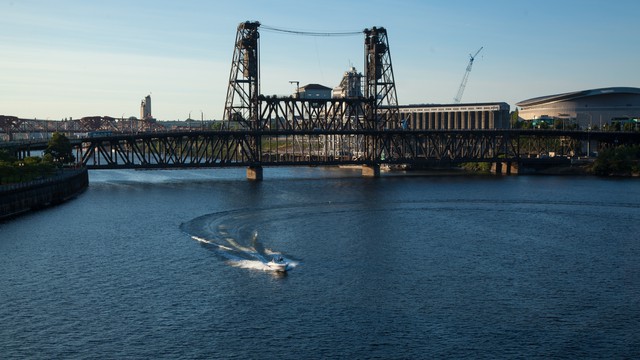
<point>578,94</point>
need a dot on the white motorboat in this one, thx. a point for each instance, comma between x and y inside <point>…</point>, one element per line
<point>278,264</point>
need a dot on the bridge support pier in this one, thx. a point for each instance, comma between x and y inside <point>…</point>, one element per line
<point>254,173</point>
<point>504,168</point>
<point>371,171</point>
<point>496,168</point>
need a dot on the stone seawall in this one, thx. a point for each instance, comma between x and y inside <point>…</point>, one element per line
<point>16,199</point>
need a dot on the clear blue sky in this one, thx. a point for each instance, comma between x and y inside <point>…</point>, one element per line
<point>66,58</point>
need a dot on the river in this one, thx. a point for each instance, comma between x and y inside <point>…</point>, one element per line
<point>170,264</point>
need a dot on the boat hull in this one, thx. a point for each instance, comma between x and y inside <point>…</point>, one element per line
<point>279,267</point>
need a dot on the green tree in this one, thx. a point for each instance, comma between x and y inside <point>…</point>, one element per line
<point>60,149</point>
<point>30,168</point>
<point>515,119</point>
<point>216,125</point>
<point>479,167</point>
<point>621,160</point>
<point>5,156</point>
<point>527,125</point>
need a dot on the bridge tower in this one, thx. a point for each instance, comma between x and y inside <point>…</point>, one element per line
<point>241,110</point>
<point>380,83</point>
<point>241,107</point>
<point>243,104</point>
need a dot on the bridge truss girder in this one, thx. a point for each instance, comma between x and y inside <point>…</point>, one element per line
<point>305,114</point>
<point>95,123</point>
<point>165,151</point>
<point>414,147</point>
<point>333,146</point>
<point>12,125</point>
<point>543,145</point>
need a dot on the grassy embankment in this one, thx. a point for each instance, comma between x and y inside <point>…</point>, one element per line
<point>32,168</point>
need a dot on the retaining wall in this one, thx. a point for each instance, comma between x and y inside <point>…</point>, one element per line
<point>16,199</point>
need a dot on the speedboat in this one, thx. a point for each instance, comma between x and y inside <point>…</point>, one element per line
<point>278,264</point>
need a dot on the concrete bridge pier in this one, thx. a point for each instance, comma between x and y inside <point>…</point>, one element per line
<point>254,173</point>
<point>371,171</point>
<point>497,168</point>
<point>504,168</point>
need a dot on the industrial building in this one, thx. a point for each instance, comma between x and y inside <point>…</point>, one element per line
<point>314,91</point>
<point>350,86</point>
<point>596,108</point>
<point>432,116</point>
<point>456,116</point>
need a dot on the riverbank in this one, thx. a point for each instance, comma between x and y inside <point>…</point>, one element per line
<point>17,199</point>
<point>570,167</point>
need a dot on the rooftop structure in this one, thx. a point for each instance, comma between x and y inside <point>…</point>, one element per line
<point>314,91</point>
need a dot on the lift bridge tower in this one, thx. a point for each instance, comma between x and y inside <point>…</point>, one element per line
<point>380,83</point>
<point>247,110</point>
<point>242,106</point>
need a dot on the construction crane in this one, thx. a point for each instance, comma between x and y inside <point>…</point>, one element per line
<point>463,84</point>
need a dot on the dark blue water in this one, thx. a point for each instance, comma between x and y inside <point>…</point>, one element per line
<point>171,265</point>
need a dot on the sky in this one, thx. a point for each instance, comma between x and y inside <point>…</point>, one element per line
<point>75,58</point>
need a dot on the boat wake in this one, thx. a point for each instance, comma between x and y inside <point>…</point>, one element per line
<point>235,245</point>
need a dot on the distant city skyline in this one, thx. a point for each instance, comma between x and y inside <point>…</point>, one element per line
<point>74,58</point>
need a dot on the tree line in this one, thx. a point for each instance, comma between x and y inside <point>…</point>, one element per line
<point>58,153</point>
<point>620,161</point>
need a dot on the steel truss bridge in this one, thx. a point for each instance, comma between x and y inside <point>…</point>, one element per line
<point>13,127</point>
<point>362,129</point>
<point>312,147</point>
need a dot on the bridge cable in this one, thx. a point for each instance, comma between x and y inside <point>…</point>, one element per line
<point>309,33</point>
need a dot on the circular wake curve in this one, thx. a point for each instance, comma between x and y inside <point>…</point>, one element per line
<point>233,235</point>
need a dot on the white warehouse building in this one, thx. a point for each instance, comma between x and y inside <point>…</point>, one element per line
<point>482,116</point>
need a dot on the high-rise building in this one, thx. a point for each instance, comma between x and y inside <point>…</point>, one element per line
<point>145,108</point>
